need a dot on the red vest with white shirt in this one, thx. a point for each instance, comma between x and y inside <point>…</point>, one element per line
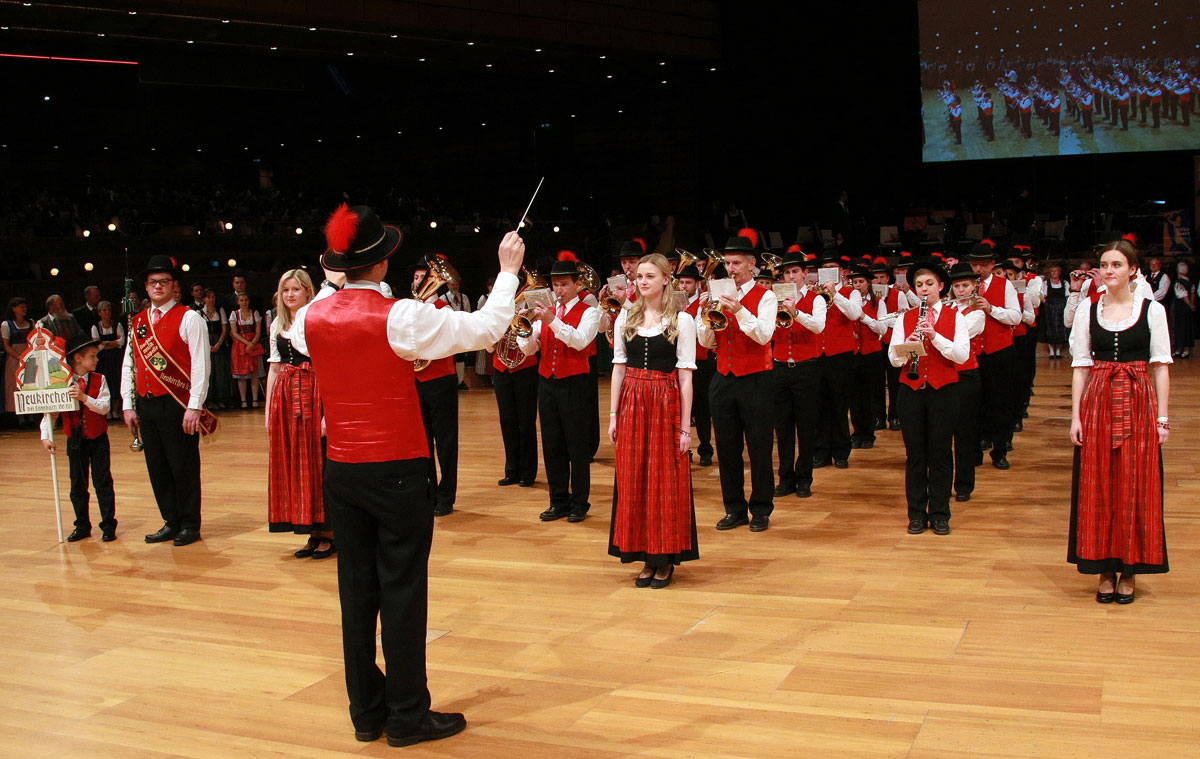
<point>838,335</point>
<point>796,342</point>
<point>370,397</point>
<point>892,300</point>
<point>439,367</point>
<point>868,341</point>
<point>933,368</point>
<point>1019,330</point>
<point>996,335</point>
<point>167,332</point>
<point>557,359</point>
<point>737,354</point>
<point>499,366</point>
<point>94,425</point>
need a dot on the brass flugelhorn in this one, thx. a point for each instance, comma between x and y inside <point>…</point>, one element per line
<point>440,273</point>
<point>507,349</point>
<point>711,314</point>
<point>686,259</point>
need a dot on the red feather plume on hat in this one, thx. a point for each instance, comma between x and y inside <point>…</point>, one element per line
<point>1130,237</point>
<point>749,234</point>
<point>988,242</point>
<point>879,261</point>
<point>566,255</point>
<point>341,228</point>
<point>905,254</point>
<point>641,243</point>
<point>793,248</point>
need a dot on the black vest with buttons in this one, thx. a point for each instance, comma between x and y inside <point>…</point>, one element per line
<point>655,354</point>
<point>1132,344</point>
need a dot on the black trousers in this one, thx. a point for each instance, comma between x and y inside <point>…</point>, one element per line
<point>997,379</point>
<point>701,381</point>
<point>516,400</point>
<point>594,413</point>
<point>741,415</point>
<point>172,461</point>
<point>966,432</point>
<point>833,424</point>
<point>564,405</point>
<point>892,373</point>
<point>1054,126</point>
<point>927,419</point>
<point>84,455</point>
<point>1026,357</point>
<point>439,411</point>
<point>382,513</point>
<point>866,395</point>
<point>795,415</point>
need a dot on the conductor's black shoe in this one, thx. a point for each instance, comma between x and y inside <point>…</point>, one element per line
<point>1000,463</point>
<point>803,491</point>
<point>758,524</point>
<point>442,509</point>
<point>576,516</point>
<point>186,536</point>
<point>366,736</point>
<point>916,526</point>
<point>940,527</point>
<point>109,536</point>
<point>525,483</point>
<point>78,533</point>
<point>507,481</point>
<point>705,460</point>
<point>552,513</point>
<point>162,536</point>
<point>841,463</point>
<point>960,497</point>
<point>784,489</point>
<point>729,521</point>
<point>433,726</point>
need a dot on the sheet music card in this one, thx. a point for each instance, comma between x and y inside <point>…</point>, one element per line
<point>785,290</point>
<point>539,297</point>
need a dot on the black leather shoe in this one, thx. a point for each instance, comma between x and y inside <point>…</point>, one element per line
<point>433,726</point>
<point>186,536</point>
<point>960,497</point>
<point>880,424</point>
<point>366,736</point>
<point>643,582</point>
<point>855,443</point>
<point>818,463</point>
<point>803,491</point>
<point>108,536</point>
<point>1019,427</point>
<point>781,490</point>
<point>729,521</point>
<point>1001,463</point>
<point>658,584</point>
<point>867,444</point>
<point>442,509</point>
<point>78,534</point>
<point>507,481</point>
<point>330,551</point>
<point>576,516</point>
<point>841,463</point>
<point>758,524</point>
<point>525,483</point>
<point>941,527</point>
<point>162,536</point>
<point>894,425</point>
<point>706,461</point>
<point>985,445</point>
<point>916,526</point>
<point>552,513</point>
<point>1105,598</point>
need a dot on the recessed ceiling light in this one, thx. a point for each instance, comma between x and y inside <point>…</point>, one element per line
<point>132,13</point>
<point>662,63</point>
<point>422,60</point>
<point>537,50</point>
<point>349,53</point>
<point>664,81</point>
<point>603,57</point>
<point>101,34</point>
<point>469,44</point>
<point>487,65</point>
<point>312,28</point>
<point>551,71</point>
<point>608,76</point>
<point>274,48</point>
<point>224,21</point>
<point>394,36</point>
<point>190,42</point>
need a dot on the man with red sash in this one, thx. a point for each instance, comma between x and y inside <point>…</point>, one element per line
<point>516,401</point>
<point>964,284</point>
<point>928,400</point>
<point>378,496</point>
<point>741,390</point>
<point>838,346</point>
<point>565,335</point>
<point>997,360</point>
<point>437,390</point>
<point>164,379</point>
<point>796,350</point>
<point>706,367</point>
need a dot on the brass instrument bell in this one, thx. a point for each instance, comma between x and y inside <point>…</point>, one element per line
<point>440,273</point>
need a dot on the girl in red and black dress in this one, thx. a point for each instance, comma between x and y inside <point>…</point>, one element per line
<point>1120,348</point>
<point>294,429</point>
<point>245,326</point>
<point>654,354</point>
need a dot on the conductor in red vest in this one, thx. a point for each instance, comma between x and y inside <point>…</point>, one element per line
<point>377,490</point>
<point>742,389</point>
<point>166,368</point>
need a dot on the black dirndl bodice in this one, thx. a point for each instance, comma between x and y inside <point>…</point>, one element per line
<point>655,354</point>
<point>288,354</point>
<point>1132,344</point>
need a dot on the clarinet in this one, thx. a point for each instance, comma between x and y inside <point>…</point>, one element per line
<point>912,373</point>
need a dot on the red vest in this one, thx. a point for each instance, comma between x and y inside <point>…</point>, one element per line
<point>996,335</point>
<point>94,425</point>
<point>736,353</point>
<point>499,366</point>
<point>369,394</point>
<point>557,360</point>
<point>972,361</point>
<point>439,367</point>
<point>838,335</point>
<point>933,367</point>
<point>797,342</point>
<point>868,341</point>
<point>693,310</point>
<point>167,331</point>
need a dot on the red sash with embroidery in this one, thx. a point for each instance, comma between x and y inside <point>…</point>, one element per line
<point>163,368</point>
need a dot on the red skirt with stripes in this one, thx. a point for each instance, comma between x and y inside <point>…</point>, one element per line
<point>295,459</point>
<point>653,518</point>
<point>1117,495</point>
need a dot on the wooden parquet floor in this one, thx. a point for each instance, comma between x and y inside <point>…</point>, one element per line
<point>833,634</point>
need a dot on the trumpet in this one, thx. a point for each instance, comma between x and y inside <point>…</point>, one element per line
<point>440,273</point>
<point>711,314</point>
<point>686,259</point>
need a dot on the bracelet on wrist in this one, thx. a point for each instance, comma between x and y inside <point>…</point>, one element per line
<point>1162,419</point>
<point>612,413</point>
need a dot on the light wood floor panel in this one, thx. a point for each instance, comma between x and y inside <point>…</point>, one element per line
<point>833,634</point>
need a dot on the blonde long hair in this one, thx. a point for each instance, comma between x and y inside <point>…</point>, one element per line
<point>670,306</point>
<point>282,314</point>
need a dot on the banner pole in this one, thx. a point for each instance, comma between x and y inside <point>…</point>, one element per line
<point>54,480</point>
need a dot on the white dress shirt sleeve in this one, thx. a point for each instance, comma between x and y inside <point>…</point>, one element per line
<point>759,326</point>
<point>975,323</point>
<point>685,341</point>
<point>851,306</point>
<point>1036,291</point>
<point>1160,334</point>
<point>274,357</point>
<point>618,345</point>
<point>1164,286</point>
<point>814,322</point>
<point>195,334</point>
<point>422,330</point>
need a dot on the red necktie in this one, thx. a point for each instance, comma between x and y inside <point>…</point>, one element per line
<point>559,311</point>
<point>155,315</point>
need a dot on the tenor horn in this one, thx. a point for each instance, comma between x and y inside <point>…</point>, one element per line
<point>440,273</point>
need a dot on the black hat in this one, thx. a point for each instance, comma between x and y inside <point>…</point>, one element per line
<point>419,265</point>
<point>933,268</point>
<point>765,273</point>
<point>830,256</point>
<point>161,263</point>
<point>635,248</point>
<point>689,271</point>
<point>672,254</point>
<point>793,258</point>
<point>905,260</point>
<point>860,271</point>
<point>740,244</point>
<point>79,342</point>
<point>357,238</point>
<point>983,251</point>
<point>962,270</point>
<point>567,264</point>
<point>1009,265</point>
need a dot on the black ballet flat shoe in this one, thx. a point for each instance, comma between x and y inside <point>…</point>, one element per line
<point>78,533</point>
<point>658,584</point>
<point>318,555</point>
<point>507,481</point>
<point>433,726</point>
<point>916,526</point>
<point>730,521</point>
<point>643,582</point>
<point>308,549</point>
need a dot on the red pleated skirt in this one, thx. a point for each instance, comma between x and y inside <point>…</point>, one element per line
<point>295,461</point>
<point>1117,499</point>
<point>653,516</point>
